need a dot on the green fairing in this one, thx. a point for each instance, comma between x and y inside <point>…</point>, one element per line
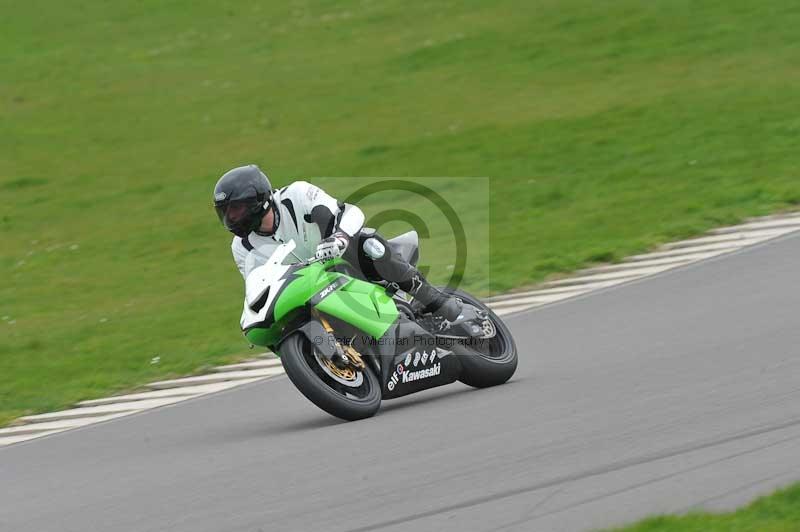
<point>264,337</point>
<point>363,305</point>
<point>359,303</point>
<point>301,285</point>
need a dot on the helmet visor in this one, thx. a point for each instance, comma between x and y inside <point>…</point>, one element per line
<point>241,216</point>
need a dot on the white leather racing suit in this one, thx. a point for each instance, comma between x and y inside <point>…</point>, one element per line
<point>306,214</point>
<point>303,213</point>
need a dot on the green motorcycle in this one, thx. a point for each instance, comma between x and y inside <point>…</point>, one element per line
<point>347,343</point>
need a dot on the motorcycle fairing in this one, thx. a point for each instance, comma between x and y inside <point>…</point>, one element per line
<point>274,291</point>
<point>411,361</point>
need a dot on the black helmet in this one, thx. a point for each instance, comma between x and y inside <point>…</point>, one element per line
<point>242,197</point>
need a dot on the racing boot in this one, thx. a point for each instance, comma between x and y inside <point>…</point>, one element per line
<point>431,298</point>
<point>394,269</point>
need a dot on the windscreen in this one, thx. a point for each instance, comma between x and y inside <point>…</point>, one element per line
<point>261,255</point>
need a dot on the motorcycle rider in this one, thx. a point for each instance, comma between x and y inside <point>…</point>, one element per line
<point>320,226</point>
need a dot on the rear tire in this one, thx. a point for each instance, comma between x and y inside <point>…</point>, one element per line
<point>298,356</point>
<point>493,365</point>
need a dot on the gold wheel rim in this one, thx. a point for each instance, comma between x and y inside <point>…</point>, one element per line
<point>347,373</point>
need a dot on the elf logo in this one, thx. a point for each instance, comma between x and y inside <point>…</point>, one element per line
<point>392,382</point>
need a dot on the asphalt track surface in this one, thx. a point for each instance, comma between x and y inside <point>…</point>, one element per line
<point>671,393</point>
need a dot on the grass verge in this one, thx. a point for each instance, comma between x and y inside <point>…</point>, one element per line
<point>779,512</point>
<point>604,128</point>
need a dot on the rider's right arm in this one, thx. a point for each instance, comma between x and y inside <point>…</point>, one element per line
<point>239,253</point>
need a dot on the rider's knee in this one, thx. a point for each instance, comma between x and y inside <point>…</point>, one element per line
<point>374,249</point>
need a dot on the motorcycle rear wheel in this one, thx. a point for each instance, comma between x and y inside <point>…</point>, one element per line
<point>495,361</point>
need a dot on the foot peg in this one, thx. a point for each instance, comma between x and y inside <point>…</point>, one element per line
<point>450,308</point>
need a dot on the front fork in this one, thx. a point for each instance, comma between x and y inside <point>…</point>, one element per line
<point>343,356</point>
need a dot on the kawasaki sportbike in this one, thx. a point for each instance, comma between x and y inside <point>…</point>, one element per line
<point>346,343</point>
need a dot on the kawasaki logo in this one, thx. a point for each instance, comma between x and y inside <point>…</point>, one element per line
<point>409,376</point>
<point>401,373</point>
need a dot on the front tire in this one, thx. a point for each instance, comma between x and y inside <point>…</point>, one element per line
<point>496,362</point>
<point>301,360</point>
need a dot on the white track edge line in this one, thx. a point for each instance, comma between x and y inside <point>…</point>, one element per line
<point>680,267</point>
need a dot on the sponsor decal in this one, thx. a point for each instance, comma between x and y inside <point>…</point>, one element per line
<point>402,372</point>
<point>392,381</point>
<point>327,290</point>
<point>410,376</point>
<point>220,196</point>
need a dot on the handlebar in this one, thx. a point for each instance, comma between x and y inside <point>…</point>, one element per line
<point>305,262</point>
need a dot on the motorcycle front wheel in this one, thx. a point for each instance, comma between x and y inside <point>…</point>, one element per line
<point>348,394</point>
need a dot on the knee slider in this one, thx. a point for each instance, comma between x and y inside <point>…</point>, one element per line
<point>373,248</point>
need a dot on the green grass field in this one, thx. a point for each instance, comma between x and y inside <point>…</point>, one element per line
<point>605,127</point>
<point>779,512</point>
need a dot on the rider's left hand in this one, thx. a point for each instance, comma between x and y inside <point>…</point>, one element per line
<point>332,247</point>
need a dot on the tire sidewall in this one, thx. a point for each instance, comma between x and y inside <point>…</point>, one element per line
<point>479,371</point>
<point>315,390</point>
